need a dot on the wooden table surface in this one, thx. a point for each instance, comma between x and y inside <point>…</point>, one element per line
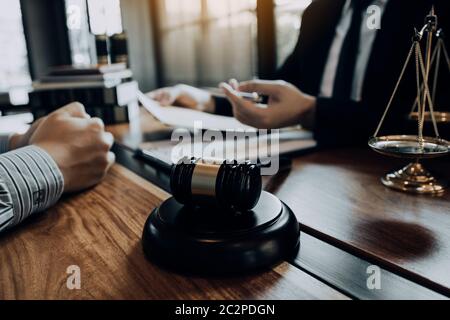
<point>349,221</point>
<point>338,197</point>
<point>99,231</point>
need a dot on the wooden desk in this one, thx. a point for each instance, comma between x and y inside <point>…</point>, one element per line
<point>99,231</point>
<point>338,198</point>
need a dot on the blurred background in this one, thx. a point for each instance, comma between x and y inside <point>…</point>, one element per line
<point>198,42</point>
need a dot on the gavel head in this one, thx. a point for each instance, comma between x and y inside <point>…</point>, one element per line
<point>230,186</point>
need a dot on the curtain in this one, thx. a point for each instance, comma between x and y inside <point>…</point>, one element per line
<point>205,42</point>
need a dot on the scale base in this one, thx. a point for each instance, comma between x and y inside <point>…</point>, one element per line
<point>414,178</point>
<point>205,241</point>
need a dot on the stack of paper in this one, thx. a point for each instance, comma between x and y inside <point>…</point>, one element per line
<point>186,118</point>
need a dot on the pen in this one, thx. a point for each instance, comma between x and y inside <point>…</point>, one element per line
<point>252,96</point>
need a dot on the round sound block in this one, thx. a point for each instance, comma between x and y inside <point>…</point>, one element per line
<point>209,241</point>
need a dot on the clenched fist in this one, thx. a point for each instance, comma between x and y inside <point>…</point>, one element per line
<point>78,144</point>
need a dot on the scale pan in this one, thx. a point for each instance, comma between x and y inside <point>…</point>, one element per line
<point>441,117</point>
<point>408,147</point>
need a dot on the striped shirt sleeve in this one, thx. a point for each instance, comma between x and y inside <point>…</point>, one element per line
<point>4,142</point>
<point>30,182</point>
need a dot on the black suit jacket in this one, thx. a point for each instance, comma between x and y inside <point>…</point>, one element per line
<point>340,123</point>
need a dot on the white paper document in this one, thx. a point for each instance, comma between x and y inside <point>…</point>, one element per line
<point>186,118</point>
<point>288,140</point>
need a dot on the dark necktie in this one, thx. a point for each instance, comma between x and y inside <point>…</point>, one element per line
<point>347,60</point>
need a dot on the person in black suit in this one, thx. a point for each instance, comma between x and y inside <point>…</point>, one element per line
<point>340,76</point>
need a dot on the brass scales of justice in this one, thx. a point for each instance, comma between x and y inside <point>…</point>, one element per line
<point>414,178</point>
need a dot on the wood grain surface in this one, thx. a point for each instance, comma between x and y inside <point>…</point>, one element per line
<point>338,268</point>
<point>350,274</point>
<point>99,231</point>
<point>338,197</point>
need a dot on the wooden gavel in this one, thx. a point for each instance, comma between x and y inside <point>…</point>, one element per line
<point>230,185</point>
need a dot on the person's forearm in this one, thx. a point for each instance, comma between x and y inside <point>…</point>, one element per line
<point>30,182</point>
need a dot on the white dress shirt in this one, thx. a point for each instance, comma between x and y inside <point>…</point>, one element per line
<point>30,182</point>
<point>365,49</point>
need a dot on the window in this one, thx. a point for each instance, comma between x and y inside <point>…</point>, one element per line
<point>104,18</point>
<point>200,42</point>
<point>288,20</point>
<point>204,42</point>
<point>14,69</point>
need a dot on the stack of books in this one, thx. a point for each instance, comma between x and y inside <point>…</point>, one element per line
<point>106,91</point>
